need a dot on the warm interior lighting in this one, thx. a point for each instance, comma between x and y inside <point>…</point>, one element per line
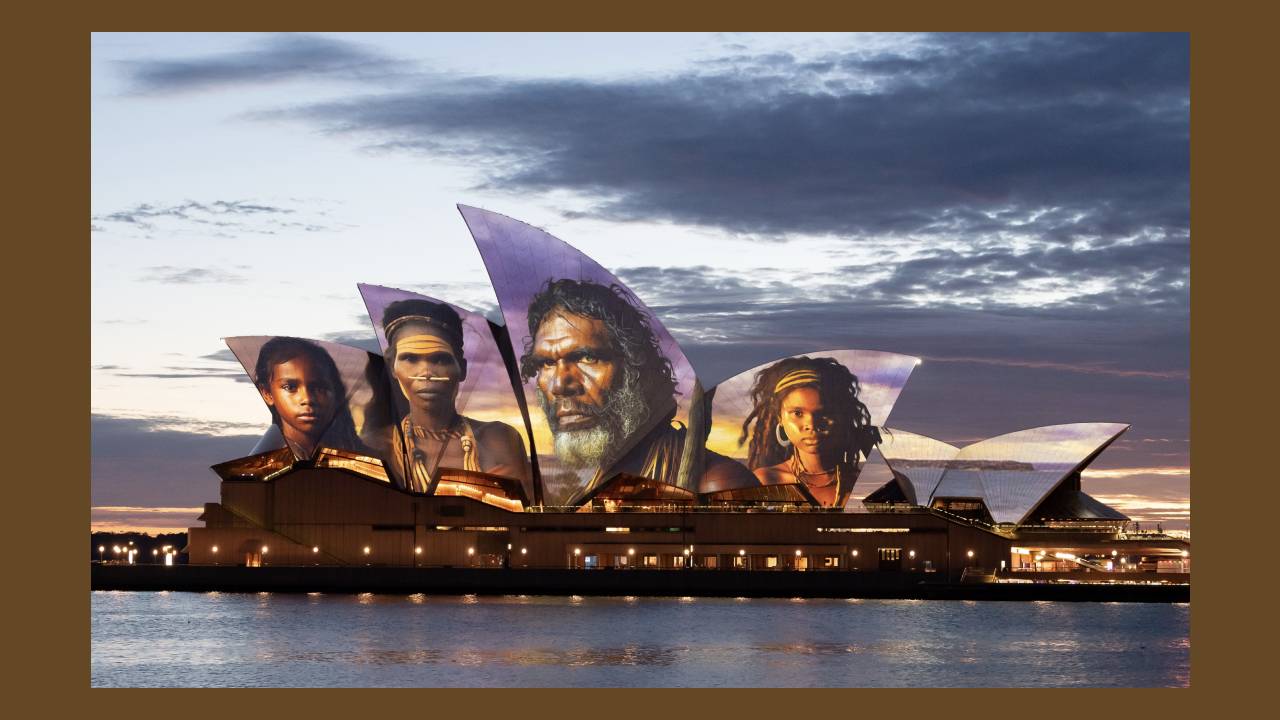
<point>215,548</point>
<point>417,551</point>
<point>367,550</point>
<point>911,553</point>
<point>471,551</point>
<point>686,551</point>
<point>631,551</point>
<point>970,553</point>
<point>524,551</point>
<point>855,553</point>
<point>577,551</point>
<point>742,552</point>
<point>264,549</point>
<point>797,553</point>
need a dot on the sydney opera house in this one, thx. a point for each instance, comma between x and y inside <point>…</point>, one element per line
<point>575,434</point>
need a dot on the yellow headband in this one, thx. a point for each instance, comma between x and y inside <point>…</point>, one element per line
<point>424,345</point>
<point>795,378</point>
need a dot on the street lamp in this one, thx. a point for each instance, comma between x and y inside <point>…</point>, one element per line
<point>101,549</point>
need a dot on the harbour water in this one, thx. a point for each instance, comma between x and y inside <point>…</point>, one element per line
<point>168,639</point>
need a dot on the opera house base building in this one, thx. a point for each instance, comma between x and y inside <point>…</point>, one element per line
<point>574,449</point>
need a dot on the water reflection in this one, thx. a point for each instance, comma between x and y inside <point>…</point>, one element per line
<point>314,639</point>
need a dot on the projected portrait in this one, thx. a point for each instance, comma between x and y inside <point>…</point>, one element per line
<point>319,395</point>
<point>611,397</point>
<point>808,428</point>
<point>426,357</point>
<point>604,385</point>
<point>803,425</point>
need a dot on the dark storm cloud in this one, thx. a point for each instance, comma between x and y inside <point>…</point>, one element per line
<point>986,371</point>
<point>146,462</point>
<point>1057,136</point>
<point>281,57</point>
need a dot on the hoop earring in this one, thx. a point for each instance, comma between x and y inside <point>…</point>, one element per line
<point>781,436</point>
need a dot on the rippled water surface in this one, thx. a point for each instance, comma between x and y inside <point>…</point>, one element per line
<point>223,639</point>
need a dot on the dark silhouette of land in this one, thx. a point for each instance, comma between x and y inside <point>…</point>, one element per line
<point>144,544</point>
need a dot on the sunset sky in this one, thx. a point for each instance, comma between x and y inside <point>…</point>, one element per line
<point>1011,209</point>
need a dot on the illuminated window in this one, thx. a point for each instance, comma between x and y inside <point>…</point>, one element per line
<point>830,561</point>
<point>650,561</point>
<point>771,561</point>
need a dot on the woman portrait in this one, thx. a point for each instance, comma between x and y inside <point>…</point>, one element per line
<point>427,363</point>
<point>807,428</point>
<point>301,384</point>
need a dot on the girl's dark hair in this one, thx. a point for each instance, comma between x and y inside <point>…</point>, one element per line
<point>438,315</point>
<point>839,389</point>
<point>279,350</point>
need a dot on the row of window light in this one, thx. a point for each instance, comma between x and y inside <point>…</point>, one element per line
<point>576,551</point>
<point>741,553</point>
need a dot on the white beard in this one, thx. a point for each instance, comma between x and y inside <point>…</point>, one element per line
<point>579,449</point>
<point>624,414</point>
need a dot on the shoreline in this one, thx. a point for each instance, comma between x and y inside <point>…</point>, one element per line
<point>671,583</point>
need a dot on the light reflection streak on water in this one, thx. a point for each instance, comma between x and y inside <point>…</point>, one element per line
<point>334,639</point>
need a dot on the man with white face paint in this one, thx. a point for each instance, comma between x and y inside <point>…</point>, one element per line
<point>606,388</point>
<point>425,356</point>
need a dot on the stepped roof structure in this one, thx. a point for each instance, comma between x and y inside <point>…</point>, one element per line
<point>1011,475</point>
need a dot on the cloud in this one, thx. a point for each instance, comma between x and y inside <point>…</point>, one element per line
<point>1062,137</point>
<point>1131,472</point>
<point>170,275</point>
<point>273,59</point>
<point>149,520</point>
<point>218,217</point>
<point>161,462</point>
<point>1067,367</point>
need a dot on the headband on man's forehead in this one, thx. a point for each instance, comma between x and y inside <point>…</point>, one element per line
<point>795,378</point>
<point>399,322</point>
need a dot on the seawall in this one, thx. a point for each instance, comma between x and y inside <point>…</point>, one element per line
<point>706,583</point>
